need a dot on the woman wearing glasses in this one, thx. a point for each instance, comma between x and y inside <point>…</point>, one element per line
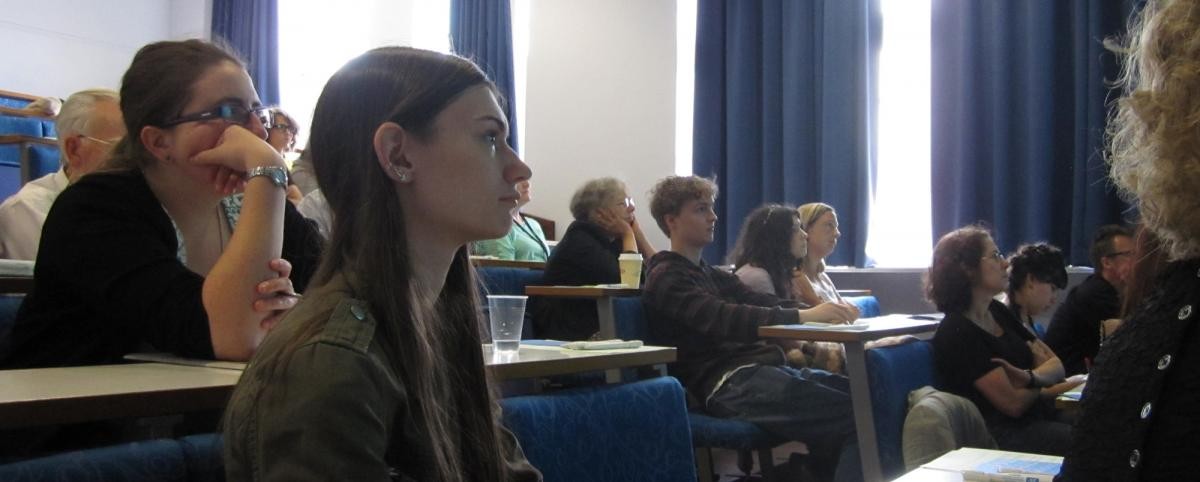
<point>604,227</point>
<point>982,352</point>
<point>281,134</point>
<point>143,256</point>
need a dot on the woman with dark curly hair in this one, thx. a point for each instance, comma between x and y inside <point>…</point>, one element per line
<point>982,352</point>
<point>1036,273</point>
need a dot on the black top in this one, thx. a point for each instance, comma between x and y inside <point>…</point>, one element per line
<point>107,280</point>
<point>963,352</point>
<point>1140,414</point>
<point>711,318</point>
<point>586,255</point>
<point>1074,332</point>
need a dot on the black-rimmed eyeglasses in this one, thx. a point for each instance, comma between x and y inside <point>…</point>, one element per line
<point>231,113</point>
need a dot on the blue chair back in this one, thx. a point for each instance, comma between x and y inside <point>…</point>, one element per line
<point>204,456</point>
<point>868,306</point>
<point>630,317</point>
<point>508,281</point>
<point>9,304</point>
<point>631,432</point>
<point>155,460</point>
<point>21,125</point>
<point>893,372</point>
<point>196,458</point>
<point>43,160</point>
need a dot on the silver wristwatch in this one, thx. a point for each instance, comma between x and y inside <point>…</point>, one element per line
<point>277,174</point>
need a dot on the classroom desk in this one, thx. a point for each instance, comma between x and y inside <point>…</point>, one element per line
<point>856,369</point>
<point>506,263</point>
<point>15,285</point>
<point>171,385</point>
<point>47,396</point>
<point>534,361</point>
<point>604,301</point>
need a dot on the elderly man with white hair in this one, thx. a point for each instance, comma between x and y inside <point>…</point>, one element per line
<point>88,126</point>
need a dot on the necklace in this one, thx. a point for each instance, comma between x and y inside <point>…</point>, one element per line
<point>523,226</point>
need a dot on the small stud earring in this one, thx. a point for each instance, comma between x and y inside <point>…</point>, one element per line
<point>401,174</point>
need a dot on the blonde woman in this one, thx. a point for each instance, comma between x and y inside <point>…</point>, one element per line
<point>1141,404</point>
<point>811,284</point>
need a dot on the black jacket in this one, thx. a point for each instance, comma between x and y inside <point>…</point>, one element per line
<point>107,281</point>
<point>1074,332</point>
<point>1140,415</point>
<point>586,255</point>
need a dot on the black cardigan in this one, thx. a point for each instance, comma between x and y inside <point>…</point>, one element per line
<point>107,281</point>
<point>1140,414</point>
<point>586,255</point>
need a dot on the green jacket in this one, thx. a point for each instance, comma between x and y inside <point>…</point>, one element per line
<point>335,411</point>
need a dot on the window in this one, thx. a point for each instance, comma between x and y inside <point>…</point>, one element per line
<point>317,38</point>
<point>900,230</point>
<point>685,83</point>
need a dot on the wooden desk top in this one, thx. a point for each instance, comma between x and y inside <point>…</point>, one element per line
<point>15,285</point>
<point>581,291</point>
<point>542,361</point>
<point>880,327</point>
<point>45,396</point>
<point>506,263</point>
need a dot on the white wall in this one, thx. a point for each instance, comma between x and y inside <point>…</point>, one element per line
<point>190,19</point>
<point>601,100</point>
<point>56,47</point>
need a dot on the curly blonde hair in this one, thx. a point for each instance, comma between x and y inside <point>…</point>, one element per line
<point>1154,135</point>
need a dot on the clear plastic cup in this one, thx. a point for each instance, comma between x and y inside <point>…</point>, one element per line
<point>506,314</point>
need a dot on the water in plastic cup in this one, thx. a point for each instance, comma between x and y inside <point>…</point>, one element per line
<point>631,269</point>
<point>506,313</point>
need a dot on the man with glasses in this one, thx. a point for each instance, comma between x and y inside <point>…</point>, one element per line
<point>89,126</point>
<point>1075,332</point>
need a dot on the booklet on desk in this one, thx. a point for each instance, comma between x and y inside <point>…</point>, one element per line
<point>998,466</point>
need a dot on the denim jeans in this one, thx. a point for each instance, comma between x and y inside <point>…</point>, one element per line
<point>805,405</point>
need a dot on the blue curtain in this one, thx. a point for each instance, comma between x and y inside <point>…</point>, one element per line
<point>1020,102</point>
<point>481,30</point>
<point>251,27</point>
<point>785,110</point>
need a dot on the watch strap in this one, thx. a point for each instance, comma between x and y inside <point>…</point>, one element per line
<point>277,174</point>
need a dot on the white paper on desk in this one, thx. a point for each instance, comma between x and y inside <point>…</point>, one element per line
<point>16,267</point>
<point>859,325</point>
<point>992,461</point>
<point>192,362</point>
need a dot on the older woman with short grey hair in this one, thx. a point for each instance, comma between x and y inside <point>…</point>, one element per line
<point>604,227</point>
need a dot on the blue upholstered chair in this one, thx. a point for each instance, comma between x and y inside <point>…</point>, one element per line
<point>203,455</point>
<point>42,160</point>
<point>9,304</point>
<point>195,458</point>
<point>155,460</point>
<point>508,281</point>
<point>894,371</point>
<point>868,306</point>
<point>22,126</point>
<point>631,432</point>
